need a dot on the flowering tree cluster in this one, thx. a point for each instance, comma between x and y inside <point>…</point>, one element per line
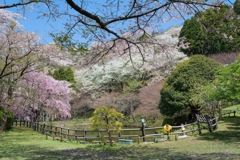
<point>46,92</point>
<point>20,54</point>
<point>115,73</point>
<point>37,91</point>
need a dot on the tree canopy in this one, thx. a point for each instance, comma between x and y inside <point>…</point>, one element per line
<point>212,31</point>
<point>64,75</point>
<point>20,55</point>
<point>182,84</point>
<point>121,22</point>
<point>107,118</point>
<point>227,83</point>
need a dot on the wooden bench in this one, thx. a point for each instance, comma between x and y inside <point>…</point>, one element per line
<point>96,142</point>
<point>125,141</point>
<point>160,139</point>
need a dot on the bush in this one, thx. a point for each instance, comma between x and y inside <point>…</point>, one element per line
<point>184,83</point>
<point>9,119</point>
<point>169,121</point>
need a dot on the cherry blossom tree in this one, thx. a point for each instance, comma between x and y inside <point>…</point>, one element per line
<point>42,92</point>
<point>158,64</point>
<point>121,21</point>
<point>36,92</point>
<point>20,53</point>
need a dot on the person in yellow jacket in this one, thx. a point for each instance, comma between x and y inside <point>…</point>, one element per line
<point>167,128</point>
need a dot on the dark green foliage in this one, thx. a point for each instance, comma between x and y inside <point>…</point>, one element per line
<point>132,85</point>
<point>236,7</point>
<point>64,74</point>
<point>211,32</point>
<point>179,87</point>
<point>9,121</point>
<point>9,118</point>
<point>192,31</point>
<point>144,36</point>
<point>169,121</point>
<point>176,120</point>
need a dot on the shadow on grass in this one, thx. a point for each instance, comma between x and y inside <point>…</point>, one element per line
<point>230,119</point>
<point>98,152</point>
<point>224,136</point>
<point>12,146</point>
<point>36,153</point>
<point>228,133</point>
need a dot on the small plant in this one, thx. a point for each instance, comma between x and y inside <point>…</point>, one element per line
<point>107,118</point>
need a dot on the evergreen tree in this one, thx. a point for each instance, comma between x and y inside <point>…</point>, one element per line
<point>236,7</point>
<point>64,75</point>
<point>212,31</point>
<point>183,83</point>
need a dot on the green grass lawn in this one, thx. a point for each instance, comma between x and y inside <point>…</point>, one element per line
<point>23,143</point>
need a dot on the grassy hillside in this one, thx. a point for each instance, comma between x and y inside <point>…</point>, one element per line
<point>23,143</point>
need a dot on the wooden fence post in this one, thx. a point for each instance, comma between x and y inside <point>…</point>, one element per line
<point>37,127</point>
<point>40,128</point>
<point>60,131</point>
<point>143,129</point>
<point>34,126</point>
<point>46,132</point>
<point>76,140</point>
<point>99,134</point>
<point>199,128</point>
<point>209,123</point>
<point>183,129</point>
<point>75,134</point>
<point>55,131</point>
<point>67,134</point>
<point>43,128</point>
<point>85,134</point>
<point>216,122</point>
<point>120,134</point>
<point>168,136</point>
<point>198,124</point>
<point>50,130</point>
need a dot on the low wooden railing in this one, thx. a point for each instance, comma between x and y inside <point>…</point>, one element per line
<point>62,133</point>
<point>229,112</point>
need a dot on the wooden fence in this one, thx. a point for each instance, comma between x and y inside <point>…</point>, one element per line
<point>142,133</point>
<point>229,112</point>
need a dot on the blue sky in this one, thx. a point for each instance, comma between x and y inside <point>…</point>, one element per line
<point>43,27</point>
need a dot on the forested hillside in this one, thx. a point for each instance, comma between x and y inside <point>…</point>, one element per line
<point>118,83</point>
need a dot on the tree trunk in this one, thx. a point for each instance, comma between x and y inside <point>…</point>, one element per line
<point>110,137</point>
<point>6,110</point>
<point>3,122</point>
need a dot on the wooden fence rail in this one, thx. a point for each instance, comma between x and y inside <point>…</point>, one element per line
<point>62,133</point>
<point>229,112</point>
